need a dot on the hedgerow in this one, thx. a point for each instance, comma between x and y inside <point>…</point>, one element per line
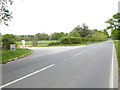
<point>71,40</point>
<point>78,40</point>
<point>54,43</point>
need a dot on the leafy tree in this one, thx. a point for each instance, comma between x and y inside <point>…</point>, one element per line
<point>74,33</point>
<point>8,39</point>
<point>56,36</point>
<point>106,33</point>
<point>42,36</point>
<point>5,13</point>
<point>91,33</point>
<point>99,36</point>
<point>116,34</point>
<point>82,30</point>
<point>31,37</point>
<point>18,38</point>
<point>25,37</point>
<point>114,25</point>
<point>95,30</point>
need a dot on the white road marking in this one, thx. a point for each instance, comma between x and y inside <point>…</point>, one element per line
<point>111,85</point>
<point>26,76</point>
<point>79,53</point>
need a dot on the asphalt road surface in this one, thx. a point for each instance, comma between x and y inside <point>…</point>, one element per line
<point>61,67</point>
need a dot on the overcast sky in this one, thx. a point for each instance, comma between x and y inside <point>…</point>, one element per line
<point>48,16</point>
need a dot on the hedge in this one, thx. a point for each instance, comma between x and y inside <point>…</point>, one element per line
<point>54,43</point>
<point>78,40</point>
<point>71,40</point>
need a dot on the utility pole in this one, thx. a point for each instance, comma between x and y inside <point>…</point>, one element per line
<point>119,12</point>
<point>119,7</point>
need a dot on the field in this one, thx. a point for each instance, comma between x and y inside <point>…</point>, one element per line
<point>39,42</point>
<point>8,54</point>
<point>117,45</point>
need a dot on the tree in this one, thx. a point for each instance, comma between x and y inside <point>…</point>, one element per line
<point>82,30</point>
<point>74,33</point>
<point>5,13</point>
<point>8,39</point>
<point>18,38</point>
<point>42,36</point>
<point>106,33</point>
<point>114,25</point>
<point>116,34</point>
<point>56,35</point>
<point>25,37</point>
<point>99,36</point>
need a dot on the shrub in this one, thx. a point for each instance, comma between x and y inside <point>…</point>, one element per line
<point>84,39</point>
<point>54,43</point>
<point>76,40</point>
<point>8,39</point>
<point>65,40</point>
<point>71,40</point>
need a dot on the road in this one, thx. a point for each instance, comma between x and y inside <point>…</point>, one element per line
<point>62,67</point>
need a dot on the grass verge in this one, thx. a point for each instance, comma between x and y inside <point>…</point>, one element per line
<point>117,46</point>
<point>8,54</point>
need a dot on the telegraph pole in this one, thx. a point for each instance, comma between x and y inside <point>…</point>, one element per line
<point>119,12</point>
<point>119,7</point>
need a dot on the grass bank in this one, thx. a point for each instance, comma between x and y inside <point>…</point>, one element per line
<point>117,45</point>
<point>8,54</point>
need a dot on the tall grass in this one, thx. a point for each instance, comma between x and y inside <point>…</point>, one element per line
<point>117,45</point>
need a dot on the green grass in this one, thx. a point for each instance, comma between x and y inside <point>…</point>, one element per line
<point>8,54</point>
<point>39,42</point>
<point>117,45</point>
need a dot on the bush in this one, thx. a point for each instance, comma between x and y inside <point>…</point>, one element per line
<point>93,39</point>
<point>71,40</point>
<point>8,39</point>
<point>76,40</point>
<point>54,43</point>
<point>65,40</point>
<point>84,39</point>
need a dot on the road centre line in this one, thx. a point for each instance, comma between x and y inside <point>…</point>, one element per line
<point>26,76</point>
<point>80,53</point>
